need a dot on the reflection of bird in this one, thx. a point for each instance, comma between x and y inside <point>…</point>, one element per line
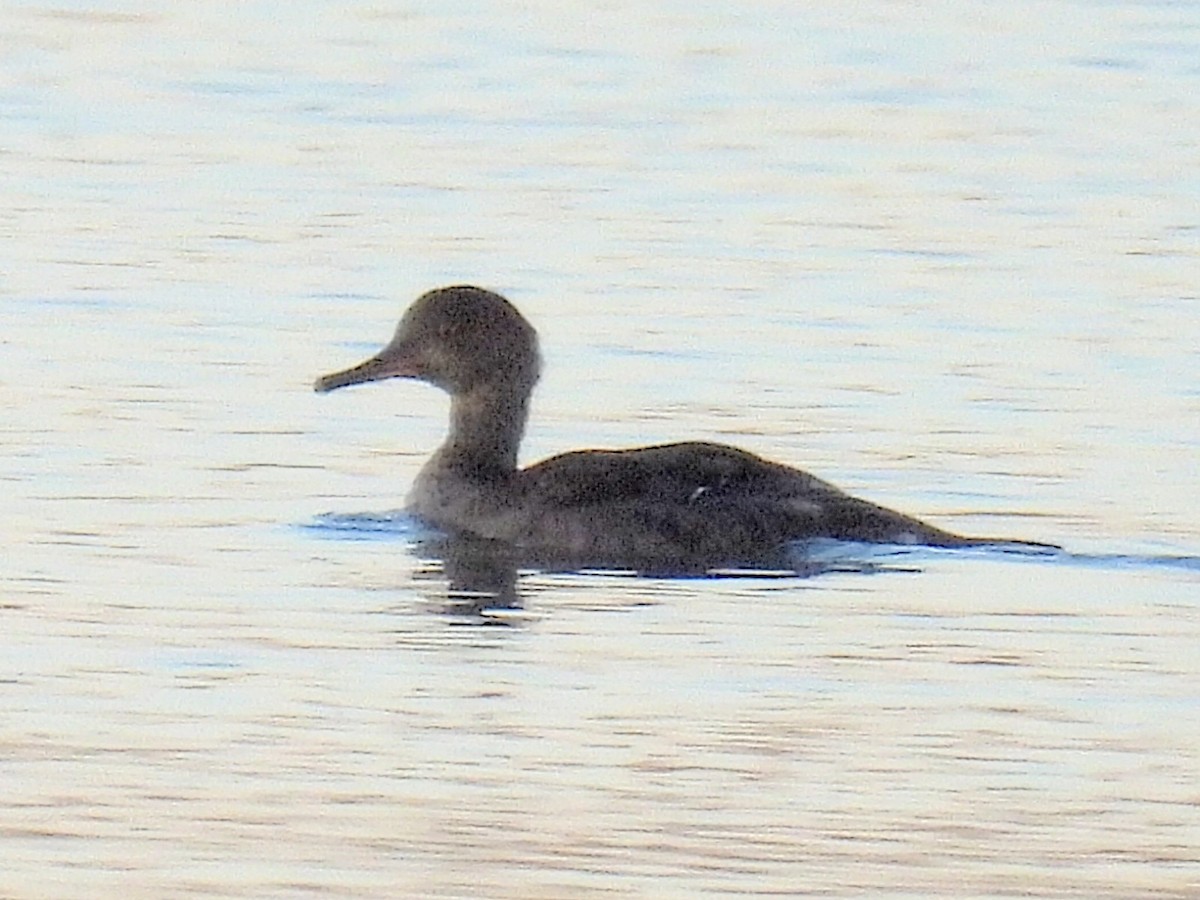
<point>671,507</point>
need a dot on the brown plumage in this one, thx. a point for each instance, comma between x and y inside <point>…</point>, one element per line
<point>681,507</point>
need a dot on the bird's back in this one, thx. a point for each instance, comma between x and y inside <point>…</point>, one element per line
<point>693,505</point>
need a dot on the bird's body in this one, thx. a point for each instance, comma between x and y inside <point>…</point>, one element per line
<point>677,507</point>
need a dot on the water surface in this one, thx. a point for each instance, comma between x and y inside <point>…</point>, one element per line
<point>944,256</point>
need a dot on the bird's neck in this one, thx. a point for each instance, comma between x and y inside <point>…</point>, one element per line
<point>486,426</point>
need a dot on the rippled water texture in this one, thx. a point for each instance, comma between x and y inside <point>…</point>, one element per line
<point>944,255</point>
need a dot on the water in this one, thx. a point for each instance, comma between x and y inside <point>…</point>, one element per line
<point>943,255</point>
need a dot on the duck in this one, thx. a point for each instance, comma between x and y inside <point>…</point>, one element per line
<point>684,507</point>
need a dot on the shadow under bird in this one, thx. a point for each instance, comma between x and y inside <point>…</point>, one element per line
<point>681,507</point>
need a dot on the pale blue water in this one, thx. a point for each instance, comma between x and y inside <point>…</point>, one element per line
<point>945,256</point>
